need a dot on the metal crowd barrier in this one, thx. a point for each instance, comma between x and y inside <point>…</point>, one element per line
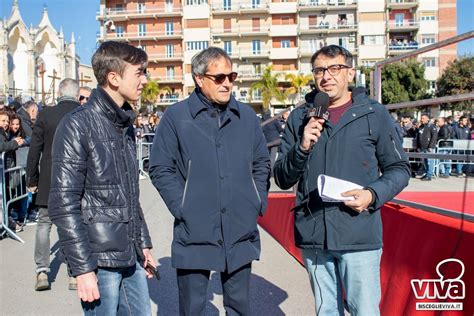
<point>447,151</point>
<point>143,151</point>
<point>13,182</point>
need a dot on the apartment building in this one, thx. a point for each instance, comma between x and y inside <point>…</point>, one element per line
<point>284,33</point>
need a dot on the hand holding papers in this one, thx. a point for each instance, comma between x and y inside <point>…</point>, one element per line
<point>330,188</point>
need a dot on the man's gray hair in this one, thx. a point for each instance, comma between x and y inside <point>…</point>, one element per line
<point>86,88</point>
<point>29,104</point>
<point>68,88</point>
<point>201,61</point>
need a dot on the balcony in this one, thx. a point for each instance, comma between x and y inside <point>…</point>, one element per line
<point>254,30</point>
<point>165,57</point>
<point>254,53</point>
<point>326,5</point>
<point>136,36</point>
<point>125,15</point>
<point>402,26</point>
<point>284,30</point>
<point>220,9</point>
<point>326,28</point>
<point>168,100</point>
<point>402,4</point>
<point>249,75</point>
<point>168,79</point>
<point>284,53</point>
<point>283,7</point>
<point>249,8</point>
<point>397,47</point>
<point>225,32</point>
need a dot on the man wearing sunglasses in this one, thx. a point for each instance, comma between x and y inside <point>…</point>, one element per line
<point>84,94</point>
<point>341,242</point>
<point>210,163</point>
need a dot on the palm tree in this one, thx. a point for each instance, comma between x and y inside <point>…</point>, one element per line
<point>151,91</point>
<point>297,81</point>
<point>268,87</point>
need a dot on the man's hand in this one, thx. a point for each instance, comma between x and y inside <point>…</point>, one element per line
<point>148,259</point>
<point>32,189</point>
<point>87,288</point>
<point>311,133</point>
<point>362,199</point>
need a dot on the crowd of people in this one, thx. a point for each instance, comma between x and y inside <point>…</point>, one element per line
<point>431,135</point>
<point>211,165</point>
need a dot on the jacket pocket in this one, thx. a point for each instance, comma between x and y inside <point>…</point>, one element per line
<point>107,230</point>
<point>255,189</point>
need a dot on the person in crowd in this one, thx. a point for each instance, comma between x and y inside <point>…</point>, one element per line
<point>409,129</point>
<point>28,113</point>
<point>461,131</point>
<point>8,145</point>
<point>94,194</point>
<point>341,241</point>
<point>210,164</point>
<point>84,94</point>
<point>272,132</point>
<point>16,130</point>
<point>444,134</point>
<point>426,143</point>
<point>38,174</point>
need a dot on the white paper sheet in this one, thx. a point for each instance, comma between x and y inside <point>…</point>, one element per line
<point>330,188</point>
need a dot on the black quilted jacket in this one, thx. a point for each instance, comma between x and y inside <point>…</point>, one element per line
<point>94,196</point>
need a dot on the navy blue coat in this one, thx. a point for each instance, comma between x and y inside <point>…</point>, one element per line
<point>364,148</point>
<point>213,180</point>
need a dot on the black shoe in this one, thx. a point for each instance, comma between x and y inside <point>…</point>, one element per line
<point>453,174</point>
<point>445,176</point>
<point>426,179</point>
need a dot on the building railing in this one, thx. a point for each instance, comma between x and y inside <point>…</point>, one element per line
<point>165,56</point>
<point>137,34</point>
<point>153,10</point>
<point>328,26</point>
<point>219,31</point>
<point>403,23</point>
<point>402,47</point>
<point>326,3</point>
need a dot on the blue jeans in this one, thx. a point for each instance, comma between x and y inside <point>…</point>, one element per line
<point>355,272</point>
<point>445,165</point>
<point>429,165</point>
<point>123,291</point>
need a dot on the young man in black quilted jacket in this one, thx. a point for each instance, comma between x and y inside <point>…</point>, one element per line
<point>94,196</point>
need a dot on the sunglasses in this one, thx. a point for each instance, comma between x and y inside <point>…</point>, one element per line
<point>81,97</point>
<point>220,78</point>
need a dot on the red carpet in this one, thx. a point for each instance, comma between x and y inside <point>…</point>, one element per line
<point>462,202</point>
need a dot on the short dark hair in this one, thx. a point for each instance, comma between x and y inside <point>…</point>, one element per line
<point>113,56</point>
<point>29,104</point>
<point>333,51</point>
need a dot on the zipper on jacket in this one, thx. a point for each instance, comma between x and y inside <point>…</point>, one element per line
<point>255,187</point>
<point>188,174</point>
<point>395,147</point>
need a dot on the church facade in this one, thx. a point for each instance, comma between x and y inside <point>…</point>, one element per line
<point>33,60</point>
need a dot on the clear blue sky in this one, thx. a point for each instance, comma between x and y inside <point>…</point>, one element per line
<point>78,16</point>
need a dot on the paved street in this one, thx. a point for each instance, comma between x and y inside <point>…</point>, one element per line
<point>279,286</point>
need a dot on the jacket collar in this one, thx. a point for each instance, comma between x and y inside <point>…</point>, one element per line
<point>121,117</point>
<point>198,102</point>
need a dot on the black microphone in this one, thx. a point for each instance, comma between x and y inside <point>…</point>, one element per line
<point>319,108</point>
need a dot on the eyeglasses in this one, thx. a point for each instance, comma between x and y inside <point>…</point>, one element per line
<point>81,97</point>
<point>220,78</point>
<point>333,70</point>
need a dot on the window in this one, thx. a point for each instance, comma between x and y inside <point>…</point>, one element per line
<point>119,8</point>
<point>428,39</point>
<point>428,16</point>
<point>285,20</point>
<point>141,6</point>
<point>169,27</point>
<point>196,2</point>
<point>285,44</point>
<point>256,47</point>
<point>429,62</point>
<point>198,45</point>
<point>227,4</point>
<point>373,40</point>
<point>431,85</point>
<point>169,50</point>
<point>257,94</point>
<point>228,47</point>
<point>257,69</point>
<point>255,4</point>
<point>169,6</point>
<point>170,72</point>
<point>344,42</point>
<point>312,21</point>
<point>399,17</point>
<point>141,29</point>
<point>119,31</point>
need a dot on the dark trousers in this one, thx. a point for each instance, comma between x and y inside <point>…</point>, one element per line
<point>192,285</point>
